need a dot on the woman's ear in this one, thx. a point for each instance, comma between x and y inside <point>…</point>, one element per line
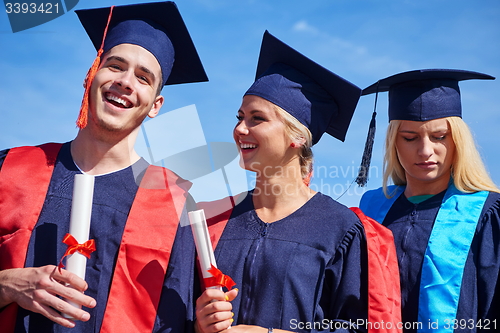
<point>298,142</point>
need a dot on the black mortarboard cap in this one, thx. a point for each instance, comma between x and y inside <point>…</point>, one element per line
<point>321,100</point>
<point>158,27</point>
<point>425,94</point>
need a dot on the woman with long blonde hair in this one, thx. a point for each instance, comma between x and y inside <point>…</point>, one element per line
<point>443,208</point>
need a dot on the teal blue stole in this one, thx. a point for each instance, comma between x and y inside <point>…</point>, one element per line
<point>445,255</point>
<point>375,204</point>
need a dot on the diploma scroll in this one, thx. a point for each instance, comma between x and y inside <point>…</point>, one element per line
<point>79,224</point>
<point>203,245</point>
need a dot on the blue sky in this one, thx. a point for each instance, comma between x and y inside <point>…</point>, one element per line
<point>362,40</point>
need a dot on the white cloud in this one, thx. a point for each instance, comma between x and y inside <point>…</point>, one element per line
<point>303,26</point>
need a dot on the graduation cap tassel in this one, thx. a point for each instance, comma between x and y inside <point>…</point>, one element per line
<point>364,168</point>
<point>81,122</point>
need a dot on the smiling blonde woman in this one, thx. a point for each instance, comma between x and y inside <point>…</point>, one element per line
<point>299,258</point>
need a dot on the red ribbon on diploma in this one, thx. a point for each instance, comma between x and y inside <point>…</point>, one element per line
<point>86,248</point>
<point>218,279</point>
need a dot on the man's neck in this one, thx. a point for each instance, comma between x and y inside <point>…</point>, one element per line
<point>96,156</point>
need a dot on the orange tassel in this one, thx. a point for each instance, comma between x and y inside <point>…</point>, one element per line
<point>84,109</point>
<point>83,116</point>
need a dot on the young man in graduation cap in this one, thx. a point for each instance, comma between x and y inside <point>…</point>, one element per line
<point>302,261</point>
<point>443,208</point>
<point>137,208</point>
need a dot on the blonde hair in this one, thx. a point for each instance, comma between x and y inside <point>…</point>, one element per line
<point>468,171</point>
<point>295,130</point>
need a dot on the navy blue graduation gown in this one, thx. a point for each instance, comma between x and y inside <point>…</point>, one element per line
<point>113,197</point>
<point>306,272</point>
<point>479,302</point>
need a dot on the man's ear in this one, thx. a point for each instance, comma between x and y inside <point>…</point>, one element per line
<point>157,104</point>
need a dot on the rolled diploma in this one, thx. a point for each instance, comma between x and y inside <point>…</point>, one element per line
<point>79,223</point>
<point>202,241</point>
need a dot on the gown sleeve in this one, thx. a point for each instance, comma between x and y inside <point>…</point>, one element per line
<point>481,284</point>
<point>344,296</point>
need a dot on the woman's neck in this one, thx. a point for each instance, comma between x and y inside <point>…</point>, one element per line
<point>414,187</point>
<point>277,196</point>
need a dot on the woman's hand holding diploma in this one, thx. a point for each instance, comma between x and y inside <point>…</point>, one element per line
<point>213,307</point>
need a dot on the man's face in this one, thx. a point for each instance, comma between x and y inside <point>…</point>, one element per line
<point>124,89</point>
